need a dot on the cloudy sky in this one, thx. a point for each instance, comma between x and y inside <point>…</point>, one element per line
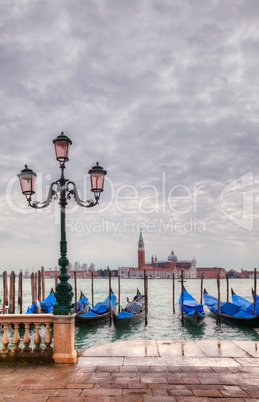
<point>164,94</point>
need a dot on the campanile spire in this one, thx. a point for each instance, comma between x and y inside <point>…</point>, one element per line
<point>141,251</point>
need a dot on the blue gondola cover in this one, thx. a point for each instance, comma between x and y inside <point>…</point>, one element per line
<point>101,307</point>
<point>124,314</point>
<point>230,309</point>
<point>82,303</point>
<point>246,305</point>
<point>190,305</point>
<point>240,301</point>
<point>47,305</point>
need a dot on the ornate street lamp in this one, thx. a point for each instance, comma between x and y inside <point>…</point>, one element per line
<point>62,189</point>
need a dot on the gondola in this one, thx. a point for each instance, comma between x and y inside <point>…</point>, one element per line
<point>231,313</point>
<point>99,312</point>
<point>46,306</point>
<point>82,304</point>
<point>246,305</point>
<point>193,311</point>
<point>133,312</point>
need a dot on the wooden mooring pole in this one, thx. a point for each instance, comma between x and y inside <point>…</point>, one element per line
<point>182,288</point>
<point>218,306</point>
<point>119,293</point>
<point>39,285</point>
<point>75,285</point>
<point>5,292</point>
<point>173,293</point>
<point>56,278</point>
<point>43,283</point>
<point>33,299</point>
<point>146,295</point>
<point>227,287</point>
<point>92,288</point>
<point>147,292</point>
<point>202,276</point>
<point>36,286</point>
<point>11,294</point>
<point>255,290</point>
<point>20,291</point>
<point>110,296</point>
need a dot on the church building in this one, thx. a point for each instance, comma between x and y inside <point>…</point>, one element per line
<point>158,269</point>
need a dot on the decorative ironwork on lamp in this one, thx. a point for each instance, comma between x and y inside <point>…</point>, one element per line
<point>62,189</point>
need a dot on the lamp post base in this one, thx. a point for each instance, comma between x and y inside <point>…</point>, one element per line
<point>64,339</point>
<point>63,295</point>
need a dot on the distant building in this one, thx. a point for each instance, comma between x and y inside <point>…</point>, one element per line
<point>243,274</point>
<point>158,269</point>
<point>234,274</point>
<point>247,274</point>
<point>209,273</point>
<point>27,274</point>
<point>79,274</point>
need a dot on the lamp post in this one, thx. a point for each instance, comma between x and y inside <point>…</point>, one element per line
<point>62,189</point>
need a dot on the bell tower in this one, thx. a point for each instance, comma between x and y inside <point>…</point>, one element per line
<point>141,251</point>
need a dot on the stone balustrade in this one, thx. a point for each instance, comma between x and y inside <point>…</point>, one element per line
<point>27,329</point>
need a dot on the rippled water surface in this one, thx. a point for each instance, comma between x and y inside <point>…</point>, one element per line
<point>162,323</point>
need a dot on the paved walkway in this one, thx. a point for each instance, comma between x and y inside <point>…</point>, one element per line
<point>143,371</point>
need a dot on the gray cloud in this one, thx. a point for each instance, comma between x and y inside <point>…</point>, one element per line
<point>151,90</point>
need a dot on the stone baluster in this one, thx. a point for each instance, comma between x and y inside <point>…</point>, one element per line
<point>47,340</point>
<point>5,340</point>
<point>16,339</point>
<point>37,339</point>
<point>26,338</point>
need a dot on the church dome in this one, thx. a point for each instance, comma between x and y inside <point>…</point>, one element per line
<point>172,257</point>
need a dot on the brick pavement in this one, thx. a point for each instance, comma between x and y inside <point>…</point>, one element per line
<point>179,381</point>
<point>128,383</point>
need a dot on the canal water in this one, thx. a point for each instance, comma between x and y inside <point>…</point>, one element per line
<point>162,323</point>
